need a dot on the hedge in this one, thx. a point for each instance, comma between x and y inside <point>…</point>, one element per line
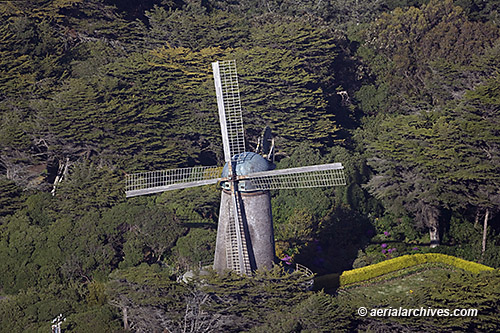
<point>392,265</point>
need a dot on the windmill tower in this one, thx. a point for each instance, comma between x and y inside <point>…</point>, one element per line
<point>245,240</point>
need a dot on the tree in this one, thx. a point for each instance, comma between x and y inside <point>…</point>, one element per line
<point>457,291</point>
<point>421,57</point>
<point>319,312</point>
<point>421,162</point>
<point>402,155</point>
<point>10,197</point>
<point>147,296</point>
<point>194,249</point>
<point>428,162</point>
<point>477,122</point>
<point>285,68</point>
<point>42,47</point>
<point>90,186</point>
<point>243,302</point>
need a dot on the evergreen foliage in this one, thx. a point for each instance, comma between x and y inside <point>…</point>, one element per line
<point>314,314</point>
<point>459,291</point>
<point>10,199</point>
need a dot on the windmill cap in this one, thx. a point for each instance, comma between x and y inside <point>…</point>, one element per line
<point>247,163</point>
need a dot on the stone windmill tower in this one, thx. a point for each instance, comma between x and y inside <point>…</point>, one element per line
<point>245,240</point>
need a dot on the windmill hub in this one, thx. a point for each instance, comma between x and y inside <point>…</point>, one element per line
<point>245,164</point>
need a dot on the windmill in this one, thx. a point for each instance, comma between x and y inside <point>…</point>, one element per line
<point>245,240</point>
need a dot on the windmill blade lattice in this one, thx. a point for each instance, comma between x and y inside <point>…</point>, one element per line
<point>172,179</point>
<point>229,105</point>
<point>302,177</point>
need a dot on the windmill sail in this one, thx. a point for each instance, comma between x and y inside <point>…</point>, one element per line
<point>229,105</point>
<point>233,140</point>
<point>172,179</point>
<point>302,177</point>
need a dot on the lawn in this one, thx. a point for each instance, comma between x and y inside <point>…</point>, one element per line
<point>389,289</point>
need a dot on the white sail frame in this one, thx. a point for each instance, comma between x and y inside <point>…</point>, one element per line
<point>171,179</point>
<point>324,175</point>
<point>229,106</point>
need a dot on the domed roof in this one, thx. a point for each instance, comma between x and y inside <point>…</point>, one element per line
<point>247,163</point>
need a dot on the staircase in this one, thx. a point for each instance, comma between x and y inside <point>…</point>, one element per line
<point>236,245</point>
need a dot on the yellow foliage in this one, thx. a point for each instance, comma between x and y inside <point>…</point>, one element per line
<point>392,265</point>
<point>281,247</point>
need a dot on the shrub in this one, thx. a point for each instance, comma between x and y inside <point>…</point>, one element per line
<point>388,266</point>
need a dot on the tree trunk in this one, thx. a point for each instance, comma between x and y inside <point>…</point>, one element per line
<point>476,220</point>
<point>428,215</point>
<point>61,173</point>
<point>434,235</point>
<point>485,229</point>
<point>125,318</point>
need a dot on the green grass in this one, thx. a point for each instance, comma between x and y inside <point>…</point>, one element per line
<point>394,287</point>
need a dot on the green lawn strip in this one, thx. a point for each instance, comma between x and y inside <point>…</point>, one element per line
<point>390,289</point>
<point>394,275</point>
